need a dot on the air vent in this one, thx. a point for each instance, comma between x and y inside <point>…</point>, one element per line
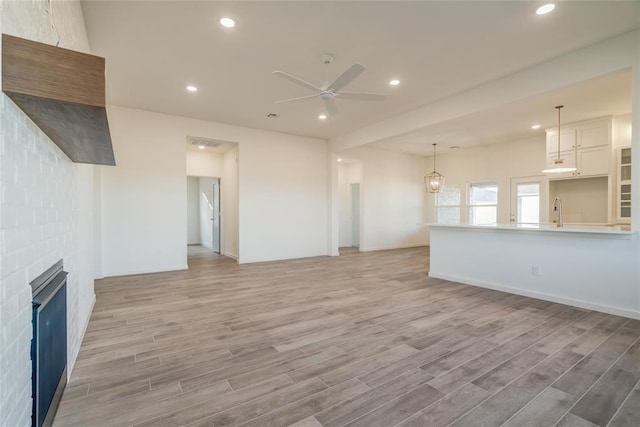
<point>209,143</point>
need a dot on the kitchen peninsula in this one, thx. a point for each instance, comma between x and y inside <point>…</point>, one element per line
<point>590,267</point>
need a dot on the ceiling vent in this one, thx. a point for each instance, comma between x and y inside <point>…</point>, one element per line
<point>203,142</point>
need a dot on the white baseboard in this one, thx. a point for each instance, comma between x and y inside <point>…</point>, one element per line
<point>281,259</point>
<point>618,311</point>
<point>147,271</point>
<point>230,255</point>
<point>386,248</point>
<point>72,363</point>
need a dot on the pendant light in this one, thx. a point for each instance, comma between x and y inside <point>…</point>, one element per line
<point>434,181</point>
<point>558,163</point>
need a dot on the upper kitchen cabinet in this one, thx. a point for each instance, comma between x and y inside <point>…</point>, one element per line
<point>583,145</point>
<point>567,140</point>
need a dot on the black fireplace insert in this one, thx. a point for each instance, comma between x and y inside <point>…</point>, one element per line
<point>49,343</point>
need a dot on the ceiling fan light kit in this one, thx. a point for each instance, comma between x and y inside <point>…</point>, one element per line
<point>328,92</point>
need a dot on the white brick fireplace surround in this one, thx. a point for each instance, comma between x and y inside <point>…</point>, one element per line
<point>46,211</point>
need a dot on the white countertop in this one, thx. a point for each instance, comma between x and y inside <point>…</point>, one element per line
<point>549,228</point>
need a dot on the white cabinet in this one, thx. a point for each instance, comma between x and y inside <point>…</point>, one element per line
<point>585,146</point>
<point>595,134</point>
<point>623,195</point>
<point>593,161</point>
<point>567,141</point>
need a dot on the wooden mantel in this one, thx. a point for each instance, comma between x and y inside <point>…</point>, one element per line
<point>63,92</point>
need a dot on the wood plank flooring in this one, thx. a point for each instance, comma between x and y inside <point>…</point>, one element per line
<point>364,339</point>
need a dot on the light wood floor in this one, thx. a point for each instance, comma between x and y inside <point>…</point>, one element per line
<point>364,339</point>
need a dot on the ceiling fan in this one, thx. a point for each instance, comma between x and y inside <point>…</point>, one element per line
<point>328,92</point>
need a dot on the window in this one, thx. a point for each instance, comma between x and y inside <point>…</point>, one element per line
<point>528,200</point>
<point>448,204</point>
<point>483,203</point>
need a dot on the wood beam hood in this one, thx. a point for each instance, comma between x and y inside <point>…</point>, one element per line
<point>63,93</point>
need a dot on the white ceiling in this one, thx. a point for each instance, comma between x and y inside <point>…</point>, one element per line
<point>155,48</point>
<point>606,95</point>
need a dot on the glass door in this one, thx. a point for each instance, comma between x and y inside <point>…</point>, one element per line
<point>528,196</point>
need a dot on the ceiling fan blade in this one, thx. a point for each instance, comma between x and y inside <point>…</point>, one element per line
<point>346,77</point>
<point>296,80</point>
<point>296,99</point>
<point>362,96</point>
<point>330,104</point>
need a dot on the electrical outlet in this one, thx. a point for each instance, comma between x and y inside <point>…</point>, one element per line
<point>535,270</point>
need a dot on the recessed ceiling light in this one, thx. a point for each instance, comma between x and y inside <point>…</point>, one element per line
<point>322,117</point>
<point>339,159</point>
<point>201,147</point>
<point>192,88</point>
<point>545,8</point>
<point>227,22</point>
<point>535,127</point>
<point>394,82</point>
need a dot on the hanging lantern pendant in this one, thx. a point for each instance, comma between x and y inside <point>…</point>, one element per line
<point>434,181</point>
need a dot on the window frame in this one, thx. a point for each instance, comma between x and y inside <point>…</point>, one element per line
<point>470,206</point>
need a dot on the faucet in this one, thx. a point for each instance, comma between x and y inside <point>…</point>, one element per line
<point>557,208</point>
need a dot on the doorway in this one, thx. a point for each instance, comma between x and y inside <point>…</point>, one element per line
<point>355,215</point>
<point>203,213</point>
<point>215,217</point>
<point>350,204</point>
<point>528,200</point>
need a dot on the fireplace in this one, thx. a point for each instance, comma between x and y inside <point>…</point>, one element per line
<point>49,343</point>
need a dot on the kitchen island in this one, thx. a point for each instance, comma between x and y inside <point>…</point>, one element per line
<point>594,267</point>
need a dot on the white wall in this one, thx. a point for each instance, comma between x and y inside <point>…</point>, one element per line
<point>588,271</point>
<point>495,162</point>
<point>205,201</point>
<point>622,131</point>
<point>282,198</point>
<point>193,211</point>
<point>97,222</point>
<point>229,204</point>
<point>393,198</point>
<point>204,163</point>
<point>281,193</point>
<point>143,198</point>
<point>46,214</point>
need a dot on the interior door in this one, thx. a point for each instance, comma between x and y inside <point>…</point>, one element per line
<point>216,216</point>
<point>529,200</point>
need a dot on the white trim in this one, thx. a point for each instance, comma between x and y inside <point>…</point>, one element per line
<point>281,259</point>
<point>136,272</point>
<point>230,255</point>
<point>539,295</point>
<point>469,206</point>
<point>386,248</point>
